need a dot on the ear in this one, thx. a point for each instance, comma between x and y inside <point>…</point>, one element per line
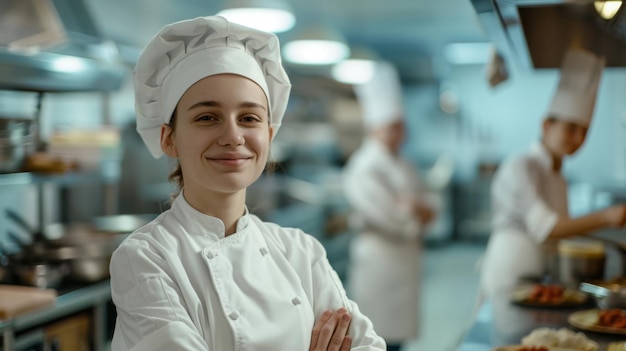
<point>167,141</point>
<point>271,133</point>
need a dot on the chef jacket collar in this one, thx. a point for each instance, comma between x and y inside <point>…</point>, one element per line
<point>543,155</point>
<point>195,221</point>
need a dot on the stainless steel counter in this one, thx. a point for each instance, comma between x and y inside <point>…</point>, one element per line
<point>499,323</point>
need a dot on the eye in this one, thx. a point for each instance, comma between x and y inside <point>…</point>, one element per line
<point>250,118</point>
<point>205,118</point>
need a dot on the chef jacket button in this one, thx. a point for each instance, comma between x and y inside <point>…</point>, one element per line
<point>264,251</point>
<point>211,254</point>
<point>234,315</point>
<point>296,301</point>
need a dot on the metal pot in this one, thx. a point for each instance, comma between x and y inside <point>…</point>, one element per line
<point>40,275</point>
<point>580,260</point>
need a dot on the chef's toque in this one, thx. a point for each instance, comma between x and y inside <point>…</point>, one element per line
<point>183,53</point>
<point>381,97</point>
<point>575,98</point>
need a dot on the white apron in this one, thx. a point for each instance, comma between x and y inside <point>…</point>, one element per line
<point>384,282</point>
<point>528,197</point>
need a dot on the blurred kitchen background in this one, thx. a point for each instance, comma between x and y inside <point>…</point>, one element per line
<point>478,76</point>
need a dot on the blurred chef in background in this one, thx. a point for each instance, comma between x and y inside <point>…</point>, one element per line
<point>529,193</point>
<point>391,211</point>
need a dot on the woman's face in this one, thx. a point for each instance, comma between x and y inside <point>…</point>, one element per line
<point>563,138</point>
<point>222,134</point>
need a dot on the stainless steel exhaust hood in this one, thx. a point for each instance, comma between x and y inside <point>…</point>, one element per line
<point>538,32</point>
<point>54,45</point>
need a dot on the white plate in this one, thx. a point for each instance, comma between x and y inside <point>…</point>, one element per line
<point>588,320</point>
<point>571,298</point>
<point>519,347</point>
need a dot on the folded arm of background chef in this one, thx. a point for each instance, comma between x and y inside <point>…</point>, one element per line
<point>260,289</point>
<point>382,191</point>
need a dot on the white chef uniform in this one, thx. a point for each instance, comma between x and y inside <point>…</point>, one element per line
<point>179,283</point>
<point>528,196</point>
<point>182,285</point>
<point>384,270</point>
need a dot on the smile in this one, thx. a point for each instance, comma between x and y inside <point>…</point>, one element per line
<point>229,161</point>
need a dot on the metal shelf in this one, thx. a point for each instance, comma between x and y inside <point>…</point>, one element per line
<point>71,178</point>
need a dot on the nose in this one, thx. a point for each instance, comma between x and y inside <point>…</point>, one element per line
<point>231,135</point>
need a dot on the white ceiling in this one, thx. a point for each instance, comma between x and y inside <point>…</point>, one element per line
<point>410,33</point>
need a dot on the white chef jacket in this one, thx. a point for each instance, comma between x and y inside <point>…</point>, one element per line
<point>179,284</point>
<point>528,197</point>
<point>384,270</point>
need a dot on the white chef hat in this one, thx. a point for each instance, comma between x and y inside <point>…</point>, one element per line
<point>183,53</point>
<point>381,97</point>
<point>575,98</point>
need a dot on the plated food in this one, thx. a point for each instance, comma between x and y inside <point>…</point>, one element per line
<point>557,339</point>
<point>616,346</point>
<point>612,321</point>
<point>548,295</point>
<point>550,339</point>
<point>521,348</point>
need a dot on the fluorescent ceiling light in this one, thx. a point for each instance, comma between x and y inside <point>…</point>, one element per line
<point>317,45</point>
<point>267,15</point>
<point>353,71</point>
<point>468,53</point>
<point>267,20</point>
<point>607,9</point>
<point>315,52</point>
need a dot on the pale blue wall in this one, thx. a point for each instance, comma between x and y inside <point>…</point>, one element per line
<point>510,115</point>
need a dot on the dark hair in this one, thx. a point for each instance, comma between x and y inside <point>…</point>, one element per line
<point>176,176</point>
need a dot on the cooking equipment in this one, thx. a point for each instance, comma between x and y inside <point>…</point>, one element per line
<point>607,294</point>
<point>580,260</point>
<point>40,275</point>
<point>85,250</point>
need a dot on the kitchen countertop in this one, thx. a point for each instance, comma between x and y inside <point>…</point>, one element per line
<point>500,322</point>
<point>70,299</point>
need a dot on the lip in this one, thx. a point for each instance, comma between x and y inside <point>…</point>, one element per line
<point>229,160</point>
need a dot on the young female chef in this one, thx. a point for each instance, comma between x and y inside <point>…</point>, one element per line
<point>207,274</point>
<point>391,204</point>
<point>529,192</point>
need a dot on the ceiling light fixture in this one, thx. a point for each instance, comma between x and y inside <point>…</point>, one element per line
<point>357,69</point>
<point>274,16</point>
<point>316,46</point>
<point>607,9</point>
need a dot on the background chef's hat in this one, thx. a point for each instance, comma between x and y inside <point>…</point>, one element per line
<point>575,98</point>
<point>185,52</point>
<point>381,97</point>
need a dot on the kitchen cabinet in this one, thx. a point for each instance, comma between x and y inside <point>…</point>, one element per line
<point>70,334</point>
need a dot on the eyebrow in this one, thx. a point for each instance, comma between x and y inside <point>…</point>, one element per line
<point>211,103</point>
